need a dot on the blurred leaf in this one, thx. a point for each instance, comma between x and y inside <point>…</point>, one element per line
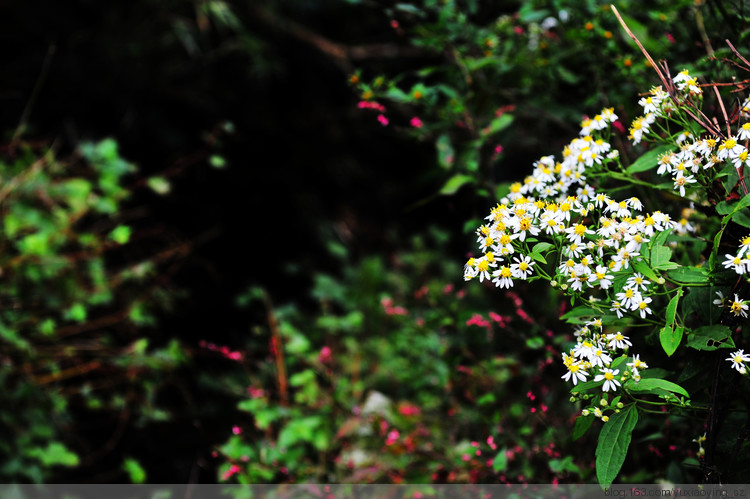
<point>159,185</point>
<point>120,234</point>
<point>135,471</point>
<point>455,183</point>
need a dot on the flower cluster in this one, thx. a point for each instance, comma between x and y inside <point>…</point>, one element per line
<point>698,159</point>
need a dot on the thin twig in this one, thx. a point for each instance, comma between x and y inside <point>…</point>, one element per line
<point>34,93</point>
<point>666,81</point>
<point>747,63</point>
<point>643,50</point>
<point>723,111</point>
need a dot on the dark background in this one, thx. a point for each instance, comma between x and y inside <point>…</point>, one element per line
<point>304,166</point>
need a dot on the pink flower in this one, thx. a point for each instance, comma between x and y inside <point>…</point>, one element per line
<point>325,355</point>
<point>236,430</point>
<point>383,120</point>
<point>392,437</point>
<point>409,410</point>
<point>233,470</point>
<point>416,122</point>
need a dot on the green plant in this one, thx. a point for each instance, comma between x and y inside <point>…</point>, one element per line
<point>580,224</point>
<point>69,326</point>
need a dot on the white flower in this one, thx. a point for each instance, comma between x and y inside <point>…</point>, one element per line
<point>618,340</point>
<point>738,360</point>
<point>719,302</point>
<point>637,280</point>
<point>503,277</point>
<point>522,268</point>
<point>738,307</point>
<point>610,382</point>
<point>637,364</point>
<point>736,262</point>
<point>630,298</point>
<point>680,180</point>
<point>642,307</point>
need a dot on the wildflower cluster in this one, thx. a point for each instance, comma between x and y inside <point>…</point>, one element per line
<point>598,242</point>
<point>699,160</point>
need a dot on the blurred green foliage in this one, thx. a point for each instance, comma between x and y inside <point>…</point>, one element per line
<point>68,314</point>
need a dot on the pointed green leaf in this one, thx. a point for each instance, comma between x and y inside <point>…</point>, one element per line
<point>689,275</point>
<point>643,268</point>
<point>655,386</point>
<point>649,160</point>
<point>614,441</point>
<point>583,423</point>
<point>670,338</point>
<point>455,183</point>
<point>672,307</point>
<point>500,462</point>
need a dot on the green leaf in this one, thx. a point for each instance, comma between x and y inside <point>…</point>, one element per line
<point>541,247</point>
<point>120,234</point>
<point>672,306</point>
<point>660,257</point>
<point>689,275</point>
<point>711,338</point>
<point>500,123</point>
<point>614,441</point>
<point>217,161</point>
<point>445,151</point>
<point>455,183</point>
<point>643,268</point>
<point>134,470</point>
<point>649,160</point>
<point>54,454</point>
<point>500,462</point>
<point>655,386</point>
<point>670,337</point>
<point>580,315</point>
<point>583,423</point>
<point>159,185</point>
<point>742,204</point>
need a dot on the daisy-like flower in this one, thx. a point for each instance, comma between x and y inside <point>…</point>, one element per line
<point>640,126</point>
<point>735,262</point>
<point>636,280</point>
<point>576,233</point>
<point>575,373</point>
<point>600,274</point>
<point>643,308</point>
<point>742,159</point>
<point>483,267</point>
<point>630,298</point>
<point>503,277</point>
<point>584,349</point>
<point>610,381</point>
<point>470,269</point>
<point>738,360</point>
<point>617,309</point>
<point>738,307</point>
<point>522,268</point>
<point>744,133</point>
<point>636,365</point>
<point>618,340</point>
<point>681,180</point>
<point>600,357</point>
<point>729,149</point>
<point>744,245</point>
